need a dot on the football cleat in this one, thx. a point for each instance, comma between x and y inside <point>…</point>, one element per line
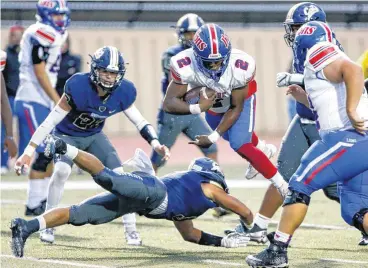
<point>363,241</point>
<point>37,210</point>
<point>269,150</point>
<point>273,256</point>
<point>19,236</point>
<point>48,235</point>
<point>256,234</point>
<point>133,238</point>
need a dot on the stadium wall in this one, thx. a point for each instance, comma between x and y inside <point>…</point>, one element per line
<point>143,49</point>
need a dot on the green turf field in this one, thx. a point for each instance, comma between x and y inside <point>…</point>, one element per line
<point>104,246</point>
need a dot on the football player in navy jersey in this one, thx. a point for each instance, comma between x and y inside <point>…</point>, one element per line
<point>78,119</point>
<point>178,197</point>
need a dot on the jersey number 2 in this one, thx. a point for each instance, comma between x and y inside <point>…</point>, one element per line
<point>184,62</point>
<point>241,64</point>
<point>85,121</point>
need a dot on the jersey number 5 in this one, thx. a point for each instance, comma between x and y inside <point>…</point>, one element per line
<point>241,64</point>
<point>184,62</point>
<point>85,121</point>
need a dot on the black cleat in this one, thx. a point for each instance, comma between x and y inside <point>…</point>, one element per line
<point>54,145</point>
<point>37,210</point>
<point>364,240</point>
<point>273,256</point>
<point>19,236</point>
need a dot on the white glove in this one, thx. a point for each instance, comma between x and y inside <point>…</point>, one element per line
<point>283,79</point>
<point>235,240</point>
<point>140,161</point>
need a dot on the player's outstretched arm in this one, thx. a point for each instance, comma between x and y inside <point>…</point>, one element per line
<point>55,117</point>
<point>194,235</point>
<point>7,118</point>
<point>147,131</point>
<point>226,201</point>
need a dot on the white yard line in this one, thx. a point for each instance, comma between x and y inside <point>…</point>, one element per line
<point>76,264</point>
<point>345,261</point>
<point>91,185</point>
<point>223,263</point>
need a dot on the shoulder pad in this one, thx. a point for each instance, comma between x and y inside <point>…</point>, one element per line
<point>181,67</point>
<point>244,67</point>
<point>321,55</point>
<point>214,178</point>
<point>42,34</point>
<point>128,93</point>
<point>2,60</point>
<point>73,90</point>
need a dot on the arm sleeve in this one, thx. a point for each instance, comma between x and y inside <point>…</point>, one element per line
<point>54,118</point>
<point>135,116</point>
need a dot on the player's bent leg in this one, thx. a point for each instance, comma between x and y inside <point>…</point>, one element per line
<point>106,153</point>
<point>37,190</point>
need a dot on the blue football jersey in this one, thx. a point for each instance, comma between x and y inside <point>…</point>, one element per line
<point>171,51</point>
<point>89,111</point>
<point>186,199</point>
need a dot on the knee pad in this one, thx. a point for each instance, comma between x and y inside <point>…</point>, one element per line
<point>358,220</point>
<point>294,197</point>
<point>332,195</point>
<point>62,171</point>
<point>119,170</point>
<point>41,163</point>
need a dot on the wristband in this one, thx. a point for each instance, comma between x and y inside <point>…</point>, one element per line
<point>195,109</point>
<point>214,136</point>
<point>9,137</point>
<point>29,150</point>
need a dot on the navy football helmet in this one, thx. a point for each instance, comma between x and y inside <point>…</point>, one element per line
<point>108,59</point>
<point>209,168</point>
<point>306,37</point>
<point>212,50</point>
<point>300,14</point>
<point>188,23</point>
<point>47,8</point>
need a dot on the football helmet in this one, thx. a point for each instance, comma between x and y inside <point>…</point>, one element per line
<point>300,14</point>
<point>306,37</point>
<point>212,48</point>
<point>209,168</point>
<point>108,59</point>
<point>188,23</point>
<point>47,8</point>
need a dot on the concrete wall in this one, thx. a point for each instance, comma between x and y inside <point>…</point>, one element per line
<point>143,49</point>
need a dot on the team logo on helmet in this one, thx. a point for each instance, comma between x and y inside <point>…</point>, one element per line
<point>200,44</point>
<point>308,30</point>
<point>309,11</point>
<point>225,40</point>
<point>47,3</point>
<point>99,53</point>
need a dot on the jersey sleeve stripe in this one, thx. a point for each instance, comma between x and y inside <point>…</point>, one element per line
<point>317,51</point>
<point>321,56</point>
<point>2,65</point>
<point>46,36</point>
<point>175,75</point>
<point>324,59</point>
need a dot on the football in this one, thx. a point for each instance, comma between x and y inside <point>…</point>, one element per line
<point>192,95</point>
